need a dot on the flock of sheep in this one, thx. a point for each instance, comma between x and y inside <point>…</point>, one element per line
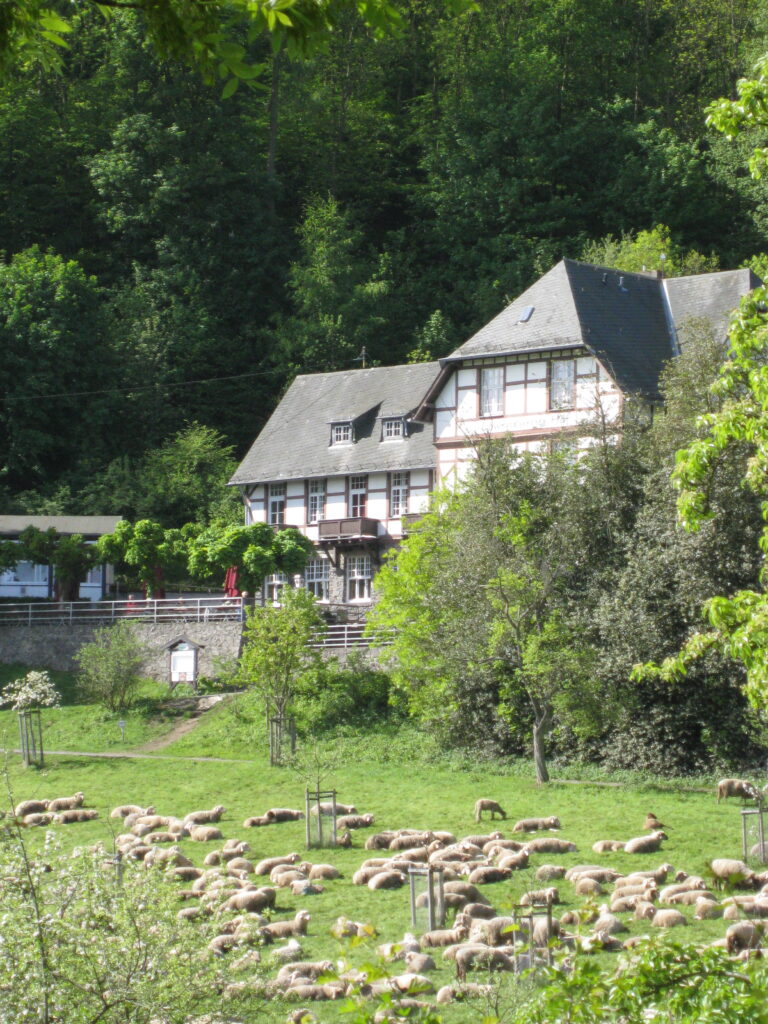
<point>239,896</point>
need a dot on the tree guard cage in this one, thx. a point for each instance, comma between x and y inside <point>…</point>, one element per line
<point>527,956</point>
<point>427,896</point>
<point>282,738</point>
<point>753,845</point>
<point>31,737</point>
<point>321,827</point>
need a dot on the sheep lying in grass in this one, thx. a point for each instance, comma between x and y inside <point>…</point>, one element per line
<point>540,897</point>
<point>737,787</point>
<point>252,901</point>
<point>549,844</point>
<point>266,866</point>
<point>30,807</point>
<point>607,846</point>
<point>327,809</point>
<point>204,817</point>
<point>70,817</point>
<point>355,821</point>
<point>37,818</point>
<point>490,806</point>
<point>286,929</point>
<point>645,844</point>
<point>536,824</point>
<point>66,803</point>
<point>281,814</point>
<point>204,833</point>
<point>125,809</point>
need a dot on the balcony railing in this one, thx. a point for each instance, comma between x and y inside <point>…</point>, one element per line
<point>407,521</point>
<point>349,634</point>
<point>186,609</point>
<point>359,528</point>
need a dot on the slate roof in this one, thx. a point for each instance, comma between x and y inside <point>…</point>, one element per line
<point>620,317</point>
<point>88,526</point>
<point>294,444</point>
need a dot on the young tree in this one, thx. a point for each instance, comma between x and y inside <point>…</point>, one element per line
<point>148,548</point>
<point>277,651</point>
<point>256,551</point>
<point>67,555</point>
<point>110,667</point>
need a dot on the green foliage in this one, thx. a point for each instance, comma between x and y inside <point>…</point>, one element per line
<point>355,693</point>
<point>68,555</point>
<point>151,551</point>
<point>276,653</point>
<point>109,667</point>
<point>256,550</point>
<point>648,250</point>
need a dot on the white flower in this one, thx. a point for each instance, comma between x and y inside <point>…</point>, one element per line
<point>34,690</point>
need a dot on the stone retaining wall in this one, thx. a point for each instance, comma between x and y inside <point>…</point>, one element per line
<point>54,646</point>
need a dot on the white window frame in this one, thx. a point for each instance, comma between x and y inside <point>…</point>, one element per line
<point>562,384</point>
<point>316,500</point>
<point>399,486</point>
<point>358,496</point>
<point>359,574</point>
<point>393,428</point>
<point>277,501</point>
<point>273,585</point>
<point>492,391</point>
<point>317,575</point>
<point>341,433</point>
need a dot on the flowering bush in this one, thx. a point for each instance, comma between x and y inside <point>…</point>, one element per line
<point>34,690</point>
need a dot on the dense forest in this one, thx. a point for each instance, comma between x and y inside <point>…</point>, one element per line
<point>171,257</point>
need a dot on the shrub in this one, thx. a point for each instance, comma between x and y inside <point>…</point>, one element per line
<point>34,690</point>
<point>334,694</point>
<point>109,667</point>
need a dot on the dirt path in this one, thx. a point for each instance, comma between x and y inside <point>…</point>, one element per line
<point>197,705</point>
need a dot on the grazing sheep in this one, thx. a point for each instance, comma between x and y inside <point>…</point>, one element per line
<point>70,817</point>
<point>734,871</point>
<point>204,817</point>
<point>668,918</point>
<point>489,805</point>
<point>549,844</point>
<point>646,844</point>
<point>607,846</point>
<point>66,803</point>
<point>125,809</point>
<point>30,807</point>
<point>355,821</point>
<point>280,814</point>
<point>540,897</point>
<point>737,787</point>
<point>536,824</point>
<point>204,833</point>
<point>286,929</point>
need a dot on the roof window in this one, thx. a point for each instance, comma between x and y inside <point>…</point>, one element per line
<point>341,433</point>
<point>392,428</point>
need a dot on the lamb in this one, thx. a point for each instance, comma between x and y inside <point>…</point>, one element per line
<point>69,817</point>
<point>607,846</point>
<point>355,821</point>
<point>280,814</point>
<point>257,821</point>
<point>37,818</point>
<point>66,803</point>
<point>125,809</point>
<point>737,787</point>
<point>31,807</point>
<point>204,817</point>
<point>286,929</point>
<point>204,833</point>
<point>536,824</point>
<point>489,805</point>
<point>668,918</point>
<point>646,844</point>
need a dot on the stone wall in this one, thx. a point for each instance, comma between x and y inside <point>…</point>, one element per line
<point>54,646</point>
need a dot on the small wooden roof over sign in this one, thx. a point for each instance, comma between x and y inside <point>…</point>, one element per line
<point>183,643</point>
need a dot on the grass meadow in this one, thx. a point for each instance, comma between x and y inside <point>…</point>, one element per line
<point>397,774</point>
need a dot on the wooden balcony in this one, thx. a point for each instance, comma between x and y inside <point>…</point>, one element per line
<point>407,521</point>
<point>360,528</point>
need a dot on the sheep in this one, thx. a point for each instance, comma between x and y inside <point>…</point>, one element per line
<point>691,897</point>
<point>514,861</point>
<point>548,844</point>
<point>323,871</point>
<point>487,874</point>
<point>30,807</point>
<point>494,846</point>
<point>495,931</point>
<point>346,929</point>
<point>645,911</point>
<point>734,871</point>
<point>387,880</point>
<point>743,935</point>
<point>363,875</point>
<point>485,957</point>
<point>355,821</point>
<point>449,993</point>
<point>250,900</point>
<point>536,824</point>
<point>312,969</point>
<point>37,818</point>
<point>286,929</point>
<point>257,821</point>
<point>584,869</point>
<point>737,787</point>
<point>380,840</point>
<point>587,886</point>
<point>418,963</point>
<point>607,846</point>
<point>658,875</point>
<point>489,805</point>
<point>240,864</point>
<point>608,924</point>
<point>281,814</point>
<point>408,841</point>
<point>668,918</point>
<point>602,875</point>
<point>540,897</point>
<point>125,809</point>
<point>205,817</point>
<point>491,837</point>
<point>204,833</point>
<point>646,844</point>
<point>467,889</point>
<point>549,872</point>
<point>473,911</point>
<point>704,909</point>
<point>69,817</point>
<point>160,837</point>
<point>328,809</point>
<point>66,803</point>
<point>444,936</point>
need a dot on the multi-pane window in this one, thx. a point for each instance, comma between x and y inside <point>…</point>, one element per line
<point>358,496</point>
<point>492,391</point>
<point>341,433</point>
<point>398,494</point>
<point>562,384</point>
<point>316,577</point>
<point>277,504</point>
<point>359,578</point>
<point>392,428</point>
<point>316,501</point>
<point>273,585</point>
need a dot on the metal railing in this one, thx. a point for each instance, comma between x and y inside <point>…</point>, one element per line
<point>185,609</point>
<point>349,634</point>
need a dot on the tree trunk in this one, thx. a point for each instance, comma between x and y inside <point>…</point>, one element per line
<point>542,719</point>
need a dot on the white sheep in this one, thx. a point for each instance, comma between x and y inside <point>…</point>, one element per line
<point>125,809</point>
<point>204,833</point>
<point>30,807</point>
<point>536,824</point>
<point>737,787</point>
<point>646,844</point>
<point>491,806</point>
<point>286,929</point>
<point>204,817</point>
<point>66,803</point>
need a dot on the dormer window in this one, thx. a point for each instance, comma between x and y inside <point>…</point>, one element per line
<point>393,428</point>
<point>341,433</point>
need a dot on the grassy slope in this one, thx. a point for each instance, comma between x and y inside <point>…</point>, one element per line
<point>388,776</point>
